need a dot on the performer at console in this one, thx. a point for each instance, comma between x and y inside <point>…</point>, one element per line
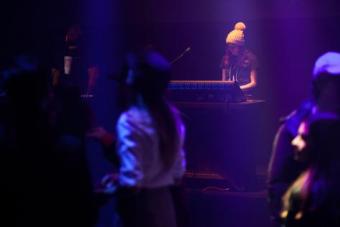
<point>238,63</point>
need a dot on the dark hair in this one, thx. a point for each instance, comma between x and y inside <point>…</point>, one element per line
<point>313,199</point>
<point>28,107</point>
<point>321,81</point>
<point>26,82</point>
<point>148,73</point>
<point>148,76</point>
<point>245,56</point>
<point>324,142</point>
<point>324,161</point>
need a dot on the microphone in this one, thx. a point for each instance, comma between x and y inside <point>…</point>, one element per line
<point>188,49</point>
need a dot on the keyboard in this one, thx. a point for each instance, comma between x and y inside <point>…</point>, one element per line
<point>205,91</point>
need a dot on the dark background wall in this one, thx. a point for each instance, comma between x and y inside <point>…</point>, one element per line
<point>286,36</point>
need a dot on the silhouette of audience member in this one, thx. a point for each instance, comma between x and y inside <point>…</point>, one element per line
<point>313,200</point>
<point>47,174</point>
<point>77,68</point>
<point>284,168</point>
<point>150,137</point>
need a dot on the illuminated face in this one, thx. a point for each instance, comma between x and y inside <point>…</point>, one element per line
<point>299,142</point>
<point>234,49</point>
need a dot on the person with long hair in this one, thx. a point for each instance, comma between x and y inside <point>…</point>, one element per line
<point>313,199</point>
<point>149,145</point>
<point>284,168</point>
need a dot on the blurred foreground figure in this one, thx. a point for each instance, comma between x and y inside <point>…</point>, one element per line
<point>150,138</point>
<point>313,200</point>
<point>284,168</point>
<point>45,167</point>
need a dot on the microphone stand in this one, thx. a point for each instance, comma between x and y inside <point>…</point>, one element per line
<point>180,56</point>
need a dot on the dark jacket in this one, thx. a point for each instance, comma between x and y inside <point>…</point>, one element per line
<point>283,168</point>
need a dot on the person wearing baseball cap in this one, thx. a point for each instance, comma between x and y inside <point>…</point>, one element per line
<point>284,168</point>
<point>326,83</point>
<point>238,63</point>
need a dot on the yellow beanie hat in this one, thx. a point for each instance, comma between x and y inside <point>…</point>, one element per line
<point>236,36</point>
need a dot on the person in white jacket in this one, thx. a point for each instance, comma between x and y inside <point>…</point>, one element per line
<point>149,145</point>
